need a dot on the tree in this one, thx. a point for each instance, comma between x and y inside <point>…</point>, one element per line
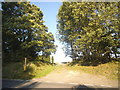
<point>24,34</point>
<point>89,29</point>
<point>52,60</point>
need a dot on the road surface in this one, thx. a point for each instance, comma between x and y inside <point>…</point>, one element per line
<point>64,78</point>
<point>38,84</point>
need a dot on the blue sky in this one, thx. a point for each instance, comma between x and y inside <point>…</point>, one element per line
<point>50,11</point>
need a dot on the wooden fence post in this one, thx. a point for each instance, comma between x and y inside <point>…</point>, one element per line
<point>25,65</point>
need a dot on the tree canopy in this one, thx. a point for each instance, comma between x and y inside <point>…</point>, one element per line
<point>24,33</point>
<point>90,30</point>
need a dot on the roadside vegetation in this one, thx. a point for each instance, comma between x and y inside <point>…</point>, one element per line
<point>34,69</point>
<point>109,70</point>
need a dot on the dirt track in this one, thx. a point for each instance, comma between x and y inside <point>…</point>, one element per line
<point>69,76</point>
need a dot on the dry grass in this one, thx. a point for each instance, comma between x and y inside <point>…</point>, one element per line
<point>110,70</point>
<point>34,70</point>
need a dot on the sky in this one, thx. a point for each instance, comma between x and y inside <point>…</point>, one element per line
<point>50,11</point>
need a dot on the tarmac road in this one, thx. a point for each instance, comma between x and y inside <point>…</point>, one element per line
<point>7,84</point>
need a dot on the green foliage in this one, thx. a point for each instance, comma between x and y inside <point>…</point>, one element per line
<point>90,30</point>
<point>43,58</point>
<point>35,69</point>
<point>24,34</point>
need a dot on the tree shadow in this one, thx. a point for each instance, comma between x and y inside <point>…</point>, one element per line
<point>7,84</point>
<point>32,85</point>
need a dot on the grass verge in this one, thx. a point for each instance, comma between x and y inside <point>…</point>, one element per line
<point>35,69</point>
<point>109,70</point>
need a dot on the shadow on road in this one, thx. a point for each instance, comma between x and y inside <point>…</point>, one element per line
<point>32,85</point>
<point>18,84</point>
